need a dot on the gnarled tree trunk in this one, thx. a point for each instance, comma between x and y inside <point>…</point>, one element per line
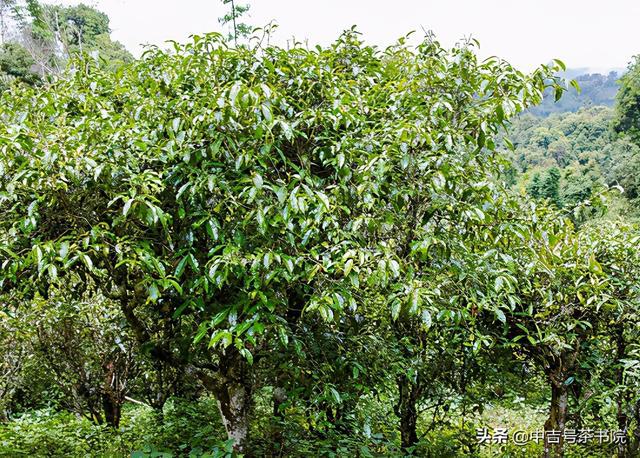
<point>112,409</point>
<point>114,389</point>
<point>558,372</point>
<point>406,410</point>
<point>234,395</point>
<point>557,420</point>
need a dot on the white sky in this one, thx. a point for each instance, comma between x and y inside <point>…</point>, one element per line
<point>584,33</point>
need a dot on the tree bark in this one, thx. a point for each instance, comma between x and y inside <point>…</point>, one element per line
<point>558,370</point>
<point>112,395</point>
<point>277,439</point>
<point>234,396</point>
<point>112,409</point>
<point>406,410</point>
<point>557,419</point>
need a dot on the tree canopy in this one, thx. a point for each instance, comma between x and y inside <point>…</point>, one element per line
<point>309,228</point>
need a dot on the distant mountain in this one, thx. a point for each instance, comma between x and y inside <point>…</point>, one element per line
<point>581,71</point>
<point>596,89</point>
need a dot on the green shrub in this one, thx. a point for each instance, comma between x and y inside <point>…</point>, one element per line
<point>183,429</point>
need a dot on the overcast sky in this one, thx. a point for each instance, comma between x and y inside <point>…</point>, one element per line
<point>599,35</point>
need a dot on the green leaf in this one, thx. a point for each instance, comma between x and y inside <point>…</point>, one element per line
<point>247,355</point>
<point>394,267</point>
<point>415,300</point>
<point>576,86</point>
<point>180,267</point>
<point>178,312</point>
<point>203,329</point>
<point>193,262</point>
<point>289,265</point>
<point>395,309</point>
<point>426,318</point>
<point>222,336</point>
<point>87,261</point>
<point>336,396</point>
<point>127,206</point>
<point>154,294</point>
<point>266,112</point>
<point>560,64</point>
<point>53,271</point>
<point>257,181</point>
<point>347,267</point>
<point>558,93</point>
<point>282,334</point>
<point>64,250</point>
<point>325,200</point>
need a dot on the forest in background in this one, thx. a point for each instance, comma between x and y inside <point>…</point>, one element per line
<point>595,90</point>
<point>225,249</point>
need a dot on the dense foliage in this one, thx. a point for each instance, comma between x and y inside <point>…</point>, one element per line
<point>258,251</point>
<point>628,103</point>
<point>573,158</point>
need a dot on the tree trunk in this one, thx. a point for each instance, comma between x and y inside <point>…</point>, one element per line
<point>408,394</point>
<point>557,420</point>
<point>235,397</point>
<point>112,409</point>
<point>558,373</point>
<point>112,397</point>
<point>279,397</point>
<point>277,439</point>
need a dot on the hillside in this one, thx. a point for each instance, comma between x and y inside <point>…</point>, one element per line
<point>596,89</point>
